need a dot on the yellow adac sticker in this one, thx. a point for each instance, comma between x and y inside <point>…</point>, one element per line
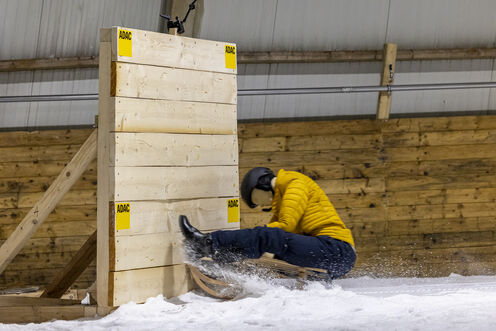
<point>232,210</point>
<point>230,52</point>
<point>122,216</point>
<point>125,43</point>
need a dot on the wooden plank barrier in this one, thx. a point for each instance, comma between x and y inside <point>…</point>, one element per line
<point>417,193</point>
<point>37,215</point>
<point>25,176</point>
<point>167,146</point>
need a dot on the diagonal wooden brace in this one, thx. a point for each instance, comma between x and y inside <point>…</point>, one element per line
<point>35,217</point>
<point>73,270</point>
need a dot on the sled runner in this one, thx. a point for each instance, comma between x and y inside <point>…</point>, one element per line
<point>275,268</point>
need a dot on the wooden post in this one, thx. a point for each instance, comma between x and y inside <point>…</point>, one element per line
<point>387,78</point>
<point>102,259</point>
<point>48,201</point>
<point>73,270</point>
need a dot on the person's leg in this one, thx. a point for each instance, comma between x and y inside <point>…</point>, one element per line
<point>318,252</point>
<point>249,243</point>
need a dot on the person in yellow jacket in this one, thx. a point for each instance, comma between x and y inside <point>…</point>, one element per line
<point>305,229</point>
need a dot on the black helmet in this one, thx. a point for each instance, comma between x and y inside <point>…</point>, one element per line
<point>256,178</point>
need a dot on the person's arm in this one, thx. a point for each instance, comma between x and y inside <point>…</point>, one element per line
<point>293,205</point>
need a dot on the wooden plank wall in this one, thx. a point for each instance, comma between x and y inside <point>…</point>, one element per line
<point>29,162</point>
<point>167,146</point>
<point>419,194</point>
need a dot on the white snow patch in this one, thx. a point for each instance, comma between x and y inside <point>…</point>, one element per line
<point>450,303</point>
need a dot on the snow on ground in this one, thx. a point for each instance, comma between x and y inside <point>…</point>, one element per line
<point>451,303</point>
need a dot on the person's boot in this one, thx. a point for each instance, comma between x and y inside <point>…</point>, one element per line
<point>199,243</point>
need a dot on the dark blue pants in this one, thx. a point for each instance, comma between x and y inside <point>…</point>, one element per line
<point>324,252</point>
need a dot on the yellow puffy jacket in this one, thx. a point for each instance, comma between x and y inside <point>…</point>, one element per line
<point>300,206</point>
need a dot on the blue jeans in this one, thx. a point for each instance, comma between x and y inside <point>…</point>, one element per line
<point>324,252</point>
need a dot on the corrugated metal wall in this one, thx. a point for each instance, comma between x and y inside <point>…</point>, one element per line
<point>69,28</point>
<point>58,28</point>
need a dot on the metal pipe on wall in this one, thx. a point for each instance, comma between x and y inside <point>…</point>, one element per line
<point>278,91</point>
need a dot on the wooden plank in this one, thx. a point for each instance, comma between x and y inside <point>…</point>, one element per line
<point>38,168</point>
<point>451,123</point>
<point>435,197</point>
<point>79,262</point>
<point>15,301</point>
<point>269,144</point>
<point>168,183</point>
<point>138,285</point>
<point>417,183</point>
<point>104,174</point>
<point>446,211</point>
<point>54,229</point>
<point>44,137</point>
<point>39,153</point>
<point>168,50</point>
<point>440,256</point>
<point>362,185</point>
<point>307,128</point>
<point>53,244</point>
<point>333,142</point>
<point>163,149</point>
<point>442,167</point>
<point>383,268</point>
<point>441,138</point>
<point>182,116</point>
<point>61,214</point>
<point>387,78</point>
<point>41,184</point>
<point>71,198</point>
<point>424,241</point>
<point>52,196</point>
<point>145,251</point>
<point>40,261</point>
<point>33,314</point>
<point>364,55</point>
<point>442,225</point>
<point>49,63</point>
<point>429,153</point>
<point>150,82</point>
<point>147,217</point>
<point>309,56</point>
<point>311,142</point>
<point>300,158</point>
<point>42,276</point>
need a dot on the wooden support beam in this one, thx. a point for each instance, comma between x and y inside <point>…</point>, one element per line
<point>38,314</point>
<point>35,217</point>
<point>387,78</point>
<point>11,301</point>
<point>73,270</point>
<point>103,165</point>
<point>366,56</point>
<point>276,57</point>
<point>49,64</point>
